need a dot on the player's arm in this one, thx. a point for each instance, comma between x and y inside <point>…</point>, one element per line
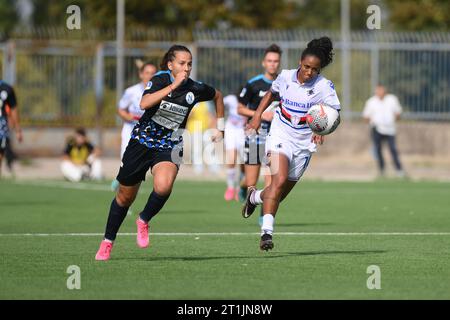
<point>268,98</point>
<point>151,99</point>
<point>14,114</point>
<point>220,115</point>
<point>125,115</point>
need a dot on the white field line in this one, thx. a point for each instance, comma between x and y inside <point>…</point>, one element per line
<point>232,234</point>
<point>65,185</point>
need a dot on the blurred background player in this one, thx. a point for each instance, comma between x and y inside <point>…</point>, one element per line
<point>156,143</point>
<point>81,159</point>
<point>234,146</point>
<point>200,120</point>
<point>129,109</point>
<point>8,116</point>
<point>249,99</point>
<point>381,111</point>
<point>291,142</point>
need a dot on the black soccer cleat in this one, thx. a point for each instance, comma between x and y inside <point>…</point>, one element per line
<point>248,208</point>
<point>266,242</point>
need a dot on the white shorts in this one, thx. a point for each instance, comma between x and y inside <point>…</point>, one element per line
<point>298,157</point>
<point>234,139</point>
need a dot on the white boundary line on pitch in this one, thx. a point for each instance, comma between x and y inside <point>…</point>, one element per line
<point>232,234</point>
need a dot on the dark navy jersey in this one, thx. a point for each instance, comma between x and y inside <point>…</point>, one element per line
<point>159,127</point>
<point>7,102</point>
<point>253,92</point>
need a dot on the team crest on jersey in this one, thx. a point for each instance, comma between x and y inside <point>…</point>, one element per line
<point>331,84</point>
<point>262,93</point>
<point>310,92</point>
<point>149,85</point>
<point>190,98</point>
<point>4,95</point>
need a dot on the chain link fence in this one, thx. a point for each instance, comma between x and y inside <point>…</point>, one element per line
<point>73,82</point>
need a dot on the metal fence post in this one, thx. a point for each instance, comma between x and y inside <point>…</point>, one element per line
<point>374,66</point>
<point>9,63</point>
<point>99,91</point>
<point>345,49</point>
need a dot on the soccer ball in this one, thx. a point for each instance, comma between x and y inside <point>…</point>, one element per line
<point>323,119</point>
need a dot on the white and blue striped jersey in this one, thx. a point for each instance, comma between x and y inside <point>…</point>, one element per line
<point>296,99</point>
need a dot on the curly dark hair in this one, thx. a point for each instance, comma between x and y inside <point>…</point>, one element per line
<point>322,48</point>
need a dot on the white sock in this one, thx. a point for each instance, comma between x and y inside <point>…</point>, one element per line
<point>256,197</point>
<point>267,225</point>
<point>107,240</point>
<point>231,174</point>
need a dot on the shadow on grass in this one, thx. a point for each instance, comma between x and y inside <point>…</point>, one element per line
<point>264,255</point>
<point>303,224</point>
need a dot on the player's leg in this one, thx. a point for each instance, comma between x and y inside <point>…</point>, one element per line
<point>117,213</point>
<point>1,158</point>
<point>231,156</point>
<point>272,196</point>
<point>135,163</point>
<point>164,175</point>
<point>71,171</point>
<point>395,157</point>
<point>377,140</point>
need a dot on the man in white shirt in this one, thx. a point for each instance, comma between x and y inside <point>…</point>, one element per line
<point>381,112</point>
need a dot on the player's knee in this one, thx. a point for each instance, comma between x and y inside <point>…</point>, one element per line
<point>125,199</point>
<point>163,188</point>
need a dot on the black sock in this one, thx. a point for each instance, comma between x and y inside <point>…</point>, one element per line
<point>115,218</point>
<point>154,204</point>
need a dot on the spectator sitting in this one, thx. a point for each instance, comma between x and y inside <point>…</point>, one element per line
<point>81,159</point>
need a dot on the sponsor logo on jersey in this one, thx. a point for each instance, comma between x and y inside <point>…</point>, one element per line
<point>170,115</point>
<point>243,92</point>
<point>190,98</point>
<point>4,95</point>
<point>296,104</point>
<point>149,85</point>
<point>262,93</point>
<point>331,84</point>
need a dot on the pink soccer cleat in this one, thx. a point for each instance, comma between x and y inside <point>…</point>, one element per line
<point>229,194</point>
<point>142,234</point>
<point>104,251</point>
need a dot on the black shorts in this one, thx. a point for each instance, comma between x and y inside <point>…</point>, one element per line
<point>137,159</point>
<point>3,144</point>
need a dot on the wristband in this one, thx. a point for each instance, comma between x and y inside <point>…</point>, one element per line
<point>221,124</point>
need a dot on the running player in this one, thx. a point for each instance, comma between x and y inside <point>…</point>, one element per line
<point>234,146</point>
<point>129,109</point>
<point>291,142</point>
<point>8,109</point>
<point>156,143</point>
<point>249,100</point>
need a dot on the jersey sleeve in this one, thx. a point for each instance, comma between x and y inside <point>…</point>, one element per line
<point>90,147</point>
<point>331,97</point>
<point>246,94</point>
<point>157,83</point>
<point>67,149</point>
<point>278,83</point>
<point>11,100</point>
<point>367,111</point>
<point>206,92</point>
<point>397,105</point>
<point>125,100</point>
